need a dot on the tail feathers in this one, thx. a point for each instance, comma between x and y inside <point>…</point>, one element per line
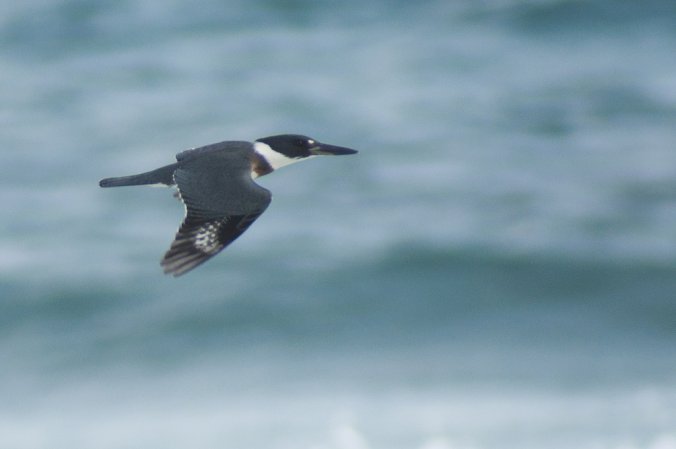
<point>163,175</point>
<point>134,180</point>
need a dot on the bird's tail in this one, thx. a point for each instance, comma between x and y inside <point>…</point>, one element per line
<point>162,175</point>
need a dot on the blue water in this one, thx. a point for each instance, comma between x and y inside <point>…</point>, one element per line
<point>496,268</point>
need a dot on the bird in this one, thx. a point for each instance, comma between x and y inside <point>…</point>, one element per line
<point>216,185</point>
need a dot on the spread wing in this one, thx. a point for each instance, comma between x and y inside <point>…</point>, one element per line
<point>198,240</point>
<point>221,202</point>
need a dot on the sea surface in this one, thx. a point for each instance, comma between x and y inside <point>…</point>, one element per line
<point>495,269</point>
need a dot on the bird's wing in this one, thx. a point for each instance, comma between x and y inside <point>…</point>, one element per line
<point>199,240</point>
<point>221,202</point>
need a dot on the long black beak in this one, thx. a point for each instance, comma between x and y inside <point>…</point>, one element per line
<point>330,150</point>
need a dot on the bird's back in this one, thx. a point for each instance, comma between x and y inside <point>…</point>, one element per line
<point>226,147</point>
<point>216,179</point>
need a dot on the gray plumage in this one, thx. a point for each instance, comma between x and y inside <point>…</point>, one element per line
<point>215,183</point>
<point>221,200</point>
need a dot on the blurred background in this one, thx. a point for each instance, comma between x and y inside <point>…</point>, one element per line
<point>495,269</point>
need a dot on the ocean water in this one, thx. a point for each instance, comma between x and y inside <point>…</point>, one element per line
<point>496,268</point>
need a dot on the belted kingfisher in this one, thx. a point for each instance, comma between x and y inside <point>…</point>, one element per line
<point>215,184</point>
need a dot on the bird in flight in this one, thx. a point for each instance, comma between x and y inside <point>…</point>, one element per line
<point>216,185</point>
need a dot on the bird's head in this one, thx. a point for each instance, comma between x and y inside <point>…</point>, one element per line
<point>285,149</point>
